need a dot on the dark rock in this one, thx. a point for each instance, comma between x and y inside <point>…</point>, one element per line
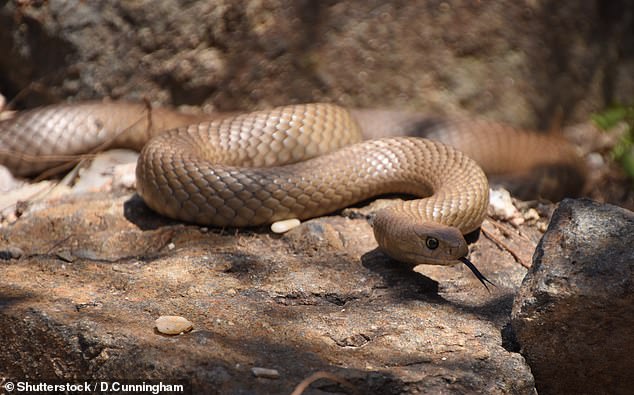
<point>506,60</point>
<point>11,252</point>
<point>574,314</point>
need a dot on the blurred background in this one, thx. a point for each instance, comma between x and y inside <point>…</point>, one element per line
<point>526,62</point>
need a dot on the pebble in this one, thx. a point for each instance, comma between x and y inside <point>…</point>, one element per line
<point>265,373</point>
<point>285,225</point>
<point>501,206</point>
<point>173,325</point>
<point>595,160</point>
<point>531,215</point>
<point>11,252</point>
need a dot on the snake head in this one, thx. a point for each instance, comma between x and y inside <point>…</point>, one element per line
<point>422,243</point>
<point>436,244</point>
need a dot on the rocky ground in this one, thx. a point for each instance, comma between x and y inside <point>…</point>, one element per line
<point>84,277</point>
<point>86,268</point>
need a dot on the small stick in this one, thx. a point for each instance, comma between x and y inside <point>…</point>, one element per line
<point>301,387</point>
<point>505,247</point>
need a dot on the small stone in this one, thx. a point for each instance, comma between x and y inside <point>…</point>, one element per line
<point>65,256</point>
<point>531,215</point>
<point>171,246</point>
<point>265,373</point>
<point>285,225</point>
<point>595,160</point>
<point>16,252</point>
<point>315,235</point>
<point>11,252</point>
<point>173,325</point>
<point>501,206</point>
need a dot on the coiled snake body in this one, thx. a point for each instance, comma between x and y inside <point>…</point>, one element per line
<point>297,161</point>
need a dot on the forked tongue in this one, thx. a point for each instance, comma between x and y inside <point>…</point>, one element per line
<point>477,273</point>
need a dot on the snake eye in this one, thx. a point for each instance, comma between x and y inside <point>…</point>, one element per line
<point>431,243</point>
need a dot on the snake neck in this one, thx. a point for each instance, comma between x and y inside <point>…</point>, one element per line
<point>465,213</point>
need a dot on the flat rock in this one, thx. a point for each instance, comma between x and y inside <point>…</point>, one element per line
<point>574,314</point>
<point>95,271</point>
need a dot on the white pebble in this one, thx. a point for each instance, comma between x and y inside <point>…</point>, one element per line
<point>265,373</point>
<point>285,225</point>
<point>531,215</point>
<point>501,206</point>
<point>595,160</point>
<point>173,325</point>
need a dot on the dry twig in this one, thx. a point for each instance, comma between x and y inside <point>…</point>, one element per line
<point>301,387</point>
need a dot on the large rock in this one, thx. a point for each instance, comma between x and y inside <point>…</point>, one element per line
<point>574,314</point>
<point>521,62</point>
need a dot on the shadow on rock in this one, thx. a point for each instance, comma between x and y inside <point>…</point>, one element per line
<point>399,276</point>
<point>136,211</point>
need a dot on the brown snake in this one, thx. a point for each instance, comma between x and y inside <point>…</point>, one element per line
<point>297,161</point>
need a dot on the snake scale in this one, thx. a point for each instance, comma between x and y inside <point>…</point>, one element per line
<point>297,161</point>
